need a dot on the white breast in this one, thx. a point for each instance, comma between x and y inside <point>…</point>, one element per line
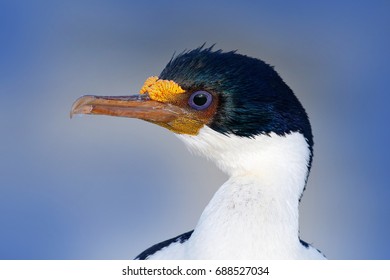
<point>254,215</point>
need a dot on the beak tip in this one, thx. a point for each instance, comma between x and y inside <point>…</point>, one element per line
<point>82,105</point>
<point>72,113</point>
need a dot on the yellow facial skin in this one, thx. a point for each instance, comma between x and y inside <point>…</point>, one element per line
<point>163,102</point>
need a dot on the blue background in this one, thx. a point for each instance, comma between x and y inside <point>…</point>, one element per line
<point>107,188</point>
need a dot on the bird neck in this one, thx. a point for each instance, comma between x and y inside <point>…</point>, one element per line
<point>256,210</point>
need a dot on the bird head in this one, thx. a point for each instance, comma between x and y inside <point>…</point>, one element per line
<point>229,95</point>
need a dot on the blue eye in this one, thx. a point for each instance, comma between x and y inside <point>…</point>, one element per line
<point>200,100</point>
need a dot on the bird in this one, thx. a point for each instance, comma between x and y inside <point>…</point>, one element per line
<point>236,111</point>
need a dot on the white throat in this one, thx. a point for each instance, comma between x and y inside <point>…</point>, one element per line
<point>254,215</point>
<point>260,155</point>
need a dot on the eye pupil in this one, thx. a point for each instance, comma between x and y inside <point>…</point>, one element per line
<point>200,100</point>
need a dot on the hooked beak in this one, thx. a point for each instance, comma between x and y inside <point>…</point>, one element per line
<point>136,106</point>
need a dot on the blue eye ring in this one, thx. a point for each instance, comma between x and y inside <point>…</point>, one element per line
<point>200,100</point>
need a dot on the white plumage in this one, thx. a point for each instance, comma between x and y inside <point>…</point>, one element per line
<point>254,215</point>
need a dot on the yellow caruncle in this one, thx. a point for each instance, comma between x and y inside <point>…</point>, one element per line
<point>161,90</point>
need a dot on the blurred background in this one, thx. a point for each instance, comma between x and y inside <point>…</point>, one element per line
<point>108,188</point>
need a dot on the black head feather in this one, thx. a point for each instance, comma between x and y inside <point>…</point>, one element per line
<point>253,99</point>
